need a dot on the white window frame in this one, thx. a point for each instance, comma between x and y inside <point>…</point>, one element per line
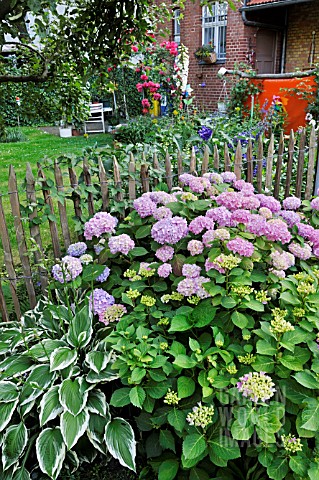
<point>214,27</point>
<point>177,26</point>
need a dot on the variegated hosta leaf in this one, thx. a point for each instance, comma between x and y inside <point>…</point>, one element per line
<point>61,358</point>
<point>96,430</point>
<point>97,403</point>
<point>50,450</point>
<point>6,412</point>
<point>13,445</point>
<point>97,361</point>
<point>120,441</point>
<point>50,406</point>
<point>73,427</point>
<point>8,392</point>
<point>73,395</point>
<point>21,474</point>
<point>39,378</point>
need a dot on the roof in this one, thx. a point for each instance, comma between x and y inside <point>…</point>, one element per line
<point>254,4</point>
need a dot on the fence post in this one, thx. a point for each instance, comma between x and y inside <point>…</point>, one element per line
<point>156,167</point>
<point>22,245</point>
<point>301,161</point>
<point>192,166</point>
<point>250,167</point>
<point>226,158</point>
<point>117,180</point>
<point>75,196</point>
<point>291,146</point>
<point>62,206</point>
<point>179,163</point>
<point>216,158</point>
<point>205,161</point>
<point>279,165</point>
<point>3,306</point>
<point>270,159</point>
<point>34,228</point>
<point>238,161</point>
<point>311,164</point>
<point>131,178</point>
<point>260,158</point>
<point>168,171</point>
<point>145,178</point>
<point>104,186</point>
<point>88,183</point>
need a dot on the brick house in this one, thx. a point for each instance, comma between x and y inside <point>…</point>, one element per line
<point>272,36</point>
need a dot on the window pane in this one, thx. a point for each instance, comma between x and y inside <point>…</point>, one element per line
<point>214,24</point>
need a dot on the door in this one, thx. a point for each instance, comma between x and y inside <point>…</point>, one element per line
<point>266,46</point>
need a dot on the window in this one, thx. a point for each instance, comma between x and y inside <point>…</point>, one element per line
<point>214,27</point>
<point>176,27</point>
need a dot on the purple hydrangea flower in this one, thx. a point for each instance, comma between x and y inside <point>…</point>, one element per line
<point>228,177</point>
<point>292,218</point>
<point>230,200</point>
<point>144,206</point>
<point>162,212</point>
<point>101,301</point>
<point>199,224</point>
<point>165,253</point>
<point>305,231</point>
<point>77,249</point>
<point>282,261</point>
<point>169,230</point>
<point>265,212</point>
<point>121,244</point>
<point>164,270</point>
<point>221,215</point>
<point>250,202</point>
<point>241,246</point>
<point>277,230</point>
<point>195,247</point>
<point>191,271</point>
<point>240,216</point>
<point>315,203</point>
<point>205,133</point>
<point>269,202</point>
<point>104,275</point>
<point>187,287</point>
<point>162,197</point>
<point>291,203</point>
<point>102,222</point>
<point>67,270</point>
<point>300,252</point>
<point>185,178</point>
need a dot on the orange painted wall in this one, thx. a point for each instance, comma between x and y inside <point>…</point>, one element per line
<point>294,104</point>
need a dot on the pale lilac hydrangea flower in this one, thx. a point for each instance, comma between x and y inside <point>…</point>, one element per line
<point>199,184</point>
<point>164,270</point>
<point>112,313</point>
<point>162,212</point>
<point>121,244</point>
<point>195,247</point>
<point>279,273</point>
<point>277,230</point>
<point>144,206</point>
<point>240,216</point>
<point>256,386</point>
<point>228,177</point>
<point>208,238</point>
<point>67,270</point>
<point>213,265</point>
<point>77,249</point>
<point>190,270</point>
<point>185,178</point>
<point>230,200</point>
<point>187,287</point>
<point>199,224</point>
<point>250,202</point>
<point>214,178</point>
<point>265,212</point>
<point>300,252</point>
<point>305,231</point>
<point>100,246</point>
<point>162,197</point>
<point>101,301</point>
<point>315,203</point>
<point>169,230</point>
<point>291,217</point>
<point>257,225</point>
<point>165,253</point>
<point>282,261</point>
<point>291,203</point>
<point>102,222</point>
<point>221,215</point>
<point>269,202</point>
<point>242,185</point>
<point>104,275</point>
<point>241,246</point>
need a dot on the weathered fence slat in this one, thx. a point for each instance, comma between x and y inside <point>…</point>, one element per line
<point>22,245</point>
<point>88,183</point>
<point>260,158</point>
<point>131,178</point>
<point>62,206</point>
<point>34,228</point>
<point>156,167</point>
<point>179,163</point>
<point>216,158</point>
<point>52,223</point>
<point>226,158</point>
<point>291,146</point>
<point>205,161</point>
<point>8,260</point>
<point>279,165</point>
<point>117,180</point>
<point>192,165</point>
<point>301,161</point>
<point>75,196</point>
<point>104,186</point>
<point>168,171</point>
<point>145,178</point>
<point>250,166</point>
<point>311,164</point>
<point>238,161</point>
<point>270,159</point>
<point>3,306</point>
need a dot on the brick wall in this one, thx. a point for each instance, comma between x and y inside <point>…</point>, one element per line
<point>303,19</point>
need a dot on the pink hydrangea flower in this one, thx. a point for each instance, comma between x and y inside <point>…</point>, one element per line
<point>195,247</point>
<point>164,270</point>
<point>241,246</point>
<point>102,222</point>
<point>165,253</point>
<point>121,244</point>
<point>169,230</point>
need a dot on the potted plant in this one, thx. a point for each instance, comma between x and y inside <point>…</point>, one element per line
<point>206,54</point>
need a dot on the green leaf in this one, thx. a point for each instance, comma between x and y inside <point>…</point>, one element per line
<point>265,348</point>
<point>97,403</point>
<point>241,432</point>
<point>137,396</point>
<point>143,231</point>
<point>183,361</point>
<point>92,271</point>
<point>121,397</point>
<point>278,469</point>
<point>177,419</point>
<point>21,474</point>
<point>185,387</point>
<point>80,329</point>
<point>296,361</point>
<point>203,314</point>
<point>310,415</point>
<point>228,302</point>
<point>289,298</point>
<point>13,445</point>
<point>72,395</point>
<point>224,447</point>
<point>17,366</point>
<point>313,472</point>
<point>138,252</point>
<point>298,465</point>
<point>8,392</point>
<point>198,474</point>
<point>120,441</point>
<point>73,427</point>
<point>307,379</point>
<point>6,412</point>
<point>239,319</point>
<point>39,378</point>
<point>50,450</point>
<point>50,406</point>
<point>97,361</point>
<point>254,305</point>
<point>168,470</point>
<point>193,445</point>
<point>167,440</point>
<point>61,358</point>
<point>180,323</point>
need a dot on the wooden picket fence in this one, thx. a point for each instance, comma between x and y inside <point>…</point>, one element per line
<point>276,165</point>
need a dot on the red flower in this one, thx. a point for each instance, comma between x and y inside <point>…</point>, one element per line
<point>134,48</point>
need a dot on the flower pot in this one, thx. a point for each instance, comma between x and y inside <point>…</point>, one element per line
<point>211,59</point>
<point>65,132</point>
<point>76,132</point>
<point>221,106</point>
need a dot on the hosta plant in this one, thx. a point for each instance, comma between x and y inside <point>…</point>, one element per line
<point>54,381</point>
<point>217,350</point>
